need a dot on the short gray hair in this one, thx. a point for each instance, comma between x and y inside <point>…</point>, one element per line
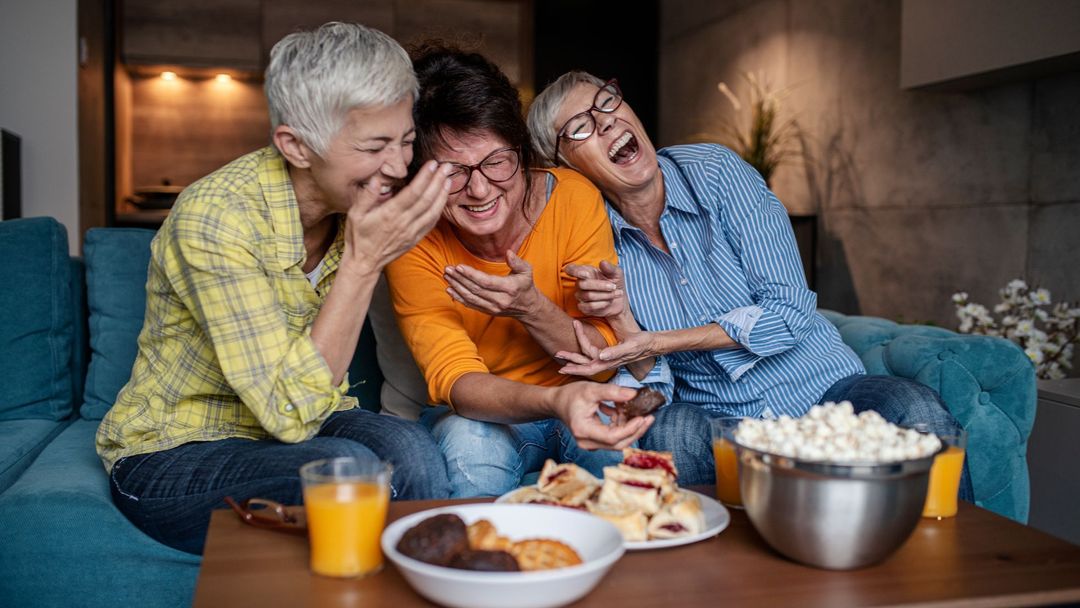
<point>546,107</point>
<point>316,77</point>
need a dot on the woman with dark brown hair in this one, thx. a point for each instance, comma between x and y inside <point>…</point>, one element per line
<point>483,301</point>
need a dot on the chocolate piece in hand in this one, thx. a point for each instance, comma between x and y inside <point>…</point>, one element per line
<point>485,561</point>
<point>643,403</point>
<point>436,540</point>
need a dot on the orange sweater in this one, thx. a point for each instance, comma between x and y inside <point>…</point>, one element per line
<point>449,340</point>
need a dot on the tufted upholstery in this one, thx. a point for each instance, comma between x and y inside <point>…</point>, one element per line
<point>987,383</point>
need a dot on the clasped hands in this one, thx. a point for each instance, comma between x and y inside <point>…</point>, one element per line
<point>601,292</point>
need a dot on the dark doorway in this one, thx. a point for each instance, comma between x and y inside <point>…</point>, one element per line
<point>607,39</point>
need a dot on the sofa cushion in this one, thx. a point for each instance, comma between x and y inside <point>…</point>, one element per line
<point>20,442</point>
<point>36,334</point>
<point>116,263</point>
<point>404,392</point>
<point>65,544</point>
<point>987,383</point>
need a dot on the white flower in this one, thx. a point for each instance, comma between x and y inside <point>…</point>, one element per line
<point>1035,354</point>
<point>1003,307</point>
<point>1008,321</point>
<point>959,297</point>
<point>1024,327</point>
<point>1016,285</point>
<point>1040,296</point>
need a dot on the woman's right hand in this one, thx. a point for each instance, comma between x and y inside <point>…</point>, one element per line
<point>377,233</point>
<point>601,291</point>
<point>578,405</point>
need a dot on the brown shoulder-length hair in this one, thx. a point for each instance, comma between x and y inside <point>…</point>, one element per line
<point>463,92</point>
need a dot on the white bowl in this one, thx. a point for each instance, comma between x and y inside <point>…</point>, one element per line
<point>597,541</point>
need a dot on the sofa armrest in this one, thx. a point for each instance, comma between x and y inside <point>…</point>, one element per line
<point>987,383</point>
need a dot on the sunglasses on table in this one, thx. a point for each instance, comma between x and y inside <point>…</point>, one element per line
<point>582,125</point>
<point>270,515</point>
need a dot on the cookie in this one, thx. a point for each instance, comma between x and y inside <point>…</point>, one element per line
<point>436,540</point>
<point>485,561</point>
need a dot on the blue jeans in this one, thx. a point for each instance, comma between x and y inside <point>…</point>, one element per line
<point>169,494</point>
<point>683,428</point>
<point>490,459</point>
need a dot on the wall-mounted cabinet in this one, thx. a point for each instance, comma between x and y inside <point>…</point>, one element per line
<point>196,33</point>
<point>171,131</point>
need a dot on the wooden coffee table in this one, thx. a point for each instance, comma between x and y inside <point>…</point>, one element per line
<point>975,559</point>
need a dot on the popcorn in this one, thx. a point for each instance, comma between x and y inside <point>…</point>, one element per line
<point>833,433</point>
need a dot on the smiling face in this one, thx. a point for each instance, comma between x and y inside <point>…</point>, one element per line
<point>373,146</point>
<point>618,157</point>
<point>484,210</point>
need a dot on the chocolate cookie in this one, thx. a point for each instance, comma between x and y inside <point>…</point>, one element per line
<point>485,561</point>
<point>436,540</point>
<point>644,402</point>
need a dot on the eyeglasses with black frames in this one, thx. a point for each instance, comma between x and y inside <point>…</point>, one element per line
<point>498,166</point>
<point>582,125</point>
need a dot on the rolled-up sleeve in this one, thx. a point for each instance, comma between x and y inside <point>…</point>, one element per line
<point>760,231</point>
<point>280,378</point>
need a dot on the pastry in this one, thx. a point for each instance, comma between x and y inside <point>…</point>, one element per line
<point>634,488</point>
<point>530,495</point>
<point>436,540</point>
<point>682,517</point>
<point>544,554</point>
<point>484,537</point>
<point>568,483</point>
<point>646,459</point>
<point>643,403</point>
<point>485,561</point>
<point>630,522</point>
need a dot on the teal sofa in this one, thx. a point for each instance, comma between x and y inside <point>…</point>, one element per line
<point>67,343</point>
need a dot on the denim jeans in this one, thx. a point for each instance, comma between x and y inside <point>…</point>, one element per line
<point>683,428</point>
<point>490,459</point>
<point>169,494</point>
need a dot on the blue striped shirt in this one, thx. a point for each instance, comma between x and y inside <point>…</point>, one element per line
<point>733,262</point>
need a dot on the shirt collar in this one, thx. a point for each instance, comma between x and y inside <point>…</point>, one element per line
<point>280,199</point>
<point>677,195</point>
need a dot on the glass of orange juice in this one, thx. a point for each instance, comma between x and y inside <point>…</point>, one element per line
<point>945,476</point>
<point>727,464</point>
<point>346,500</point>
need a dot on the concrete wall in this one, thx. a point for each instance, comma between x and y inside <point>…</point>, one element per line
<point>918,194</point>
<point>38,101</point>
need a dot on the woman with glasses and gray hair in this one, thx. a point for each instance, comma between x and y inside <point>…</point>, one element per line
<point>483,301</point>
<point>258,286</point>
<point>709,268</point>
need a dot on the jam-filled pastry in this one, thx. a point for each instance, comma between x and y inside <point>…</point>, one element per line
<point>630,522</point>
<point>682,517</point>
<point>569,484</point>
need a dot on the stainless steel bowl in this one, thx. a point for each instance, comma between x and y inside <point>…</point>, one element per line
<point>834,516</point>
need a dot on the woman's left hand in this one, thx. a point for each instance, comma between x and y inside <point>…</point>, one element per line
<point>514,295</point>
<point>591,360</point>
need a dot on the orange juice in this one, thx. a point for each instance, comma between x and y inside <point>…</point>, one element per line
<point>944,483</point>
<point>727,473</point>
<point>345,521</point>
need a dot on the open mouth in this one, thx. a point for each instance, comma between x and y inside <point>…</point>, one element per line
<point>481,209</point>
<point>624,150</point>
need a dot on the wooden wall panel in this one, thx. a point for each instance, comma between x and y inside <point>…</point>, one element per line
<point>186,128</point>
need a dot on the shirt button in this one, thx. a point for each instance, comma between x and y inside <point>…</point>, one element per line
<point>683,281</point>
<point>289,407</point>
<point>702,318</point>
<point>674,245</point>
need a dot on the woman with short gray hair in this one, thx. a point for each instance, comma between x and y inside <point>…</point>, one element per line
<point>713,276</point>
<point>240,376</point>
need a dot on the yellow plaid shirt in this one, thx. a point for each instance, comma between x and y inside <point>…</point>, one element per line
<point>225,349</point>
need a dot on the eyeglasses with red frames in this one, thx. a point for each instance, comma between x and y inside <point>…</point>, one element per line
<point>582,125</point>
<point>498,166</point>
